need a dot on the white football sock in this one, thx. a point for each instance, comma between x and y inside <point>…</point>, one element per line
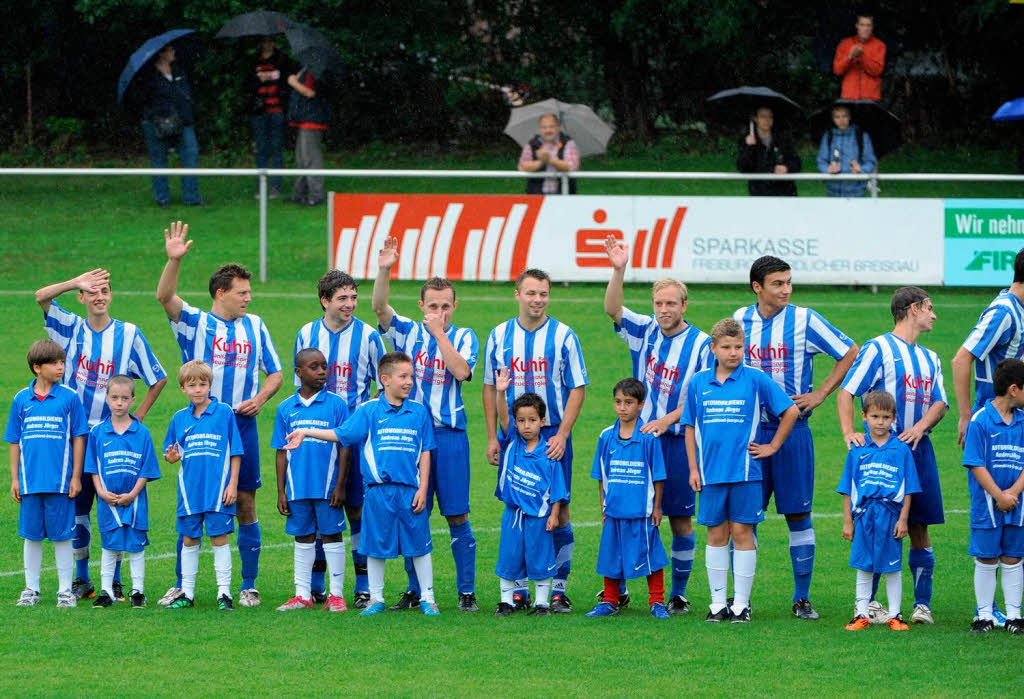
<point>304,556</point>
<point>189,569</point>
<point>108,561</point>
<point>716,560</point>
<point>375,578</point>
<point>744,564</point>
<point>894,592</point>
<point>33,554</point>
<point>137,561</point>
<point>424,566</point>
<point>984,588</point>
<point>863,598</point>
<point>1013,585</point>
<point>65,564</point>
<point>334,552</point>
<point>542,592</point>
<point>222,567</point>
<point>508,587</point>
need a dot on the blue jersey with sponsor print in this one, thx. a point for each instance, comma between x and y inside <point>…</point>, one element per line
<point>547,361</point>
<point>207,444</point>
<point>884,473</point>
<point>390,440</point>
<point>664,364</point>
<point>783,346</point>
<point>527,478</point>
<point>628,470</point>
<point>434,385</point>
<point>236,350</point>
<point>352,356</point>
<point>44,429</point>
<point>312,468</point>
<point>910,373</point>
<point>93,357</point>
<point>725,416</point>
<point>120,459</point>
<point>999,447</point>
<point>998,335</point>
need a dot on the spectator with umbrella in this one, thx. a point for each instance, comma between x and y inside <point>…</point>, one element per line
<point>156,78</point>
<point>846,148</point>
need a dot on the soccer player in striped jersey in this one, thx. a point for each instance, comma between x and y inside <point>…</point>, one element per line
<point>998,335</point>
<point>237,346</point>
<point>98,348</point>
<point>443,356</point>
<point>543,356</point>
<point>665,352</point>
<point>896,363</point>
<point>353,349</point>
<point>782,339</point>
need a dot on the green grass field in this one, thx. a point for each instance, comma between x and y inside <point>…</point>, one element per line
<point>55,228</point>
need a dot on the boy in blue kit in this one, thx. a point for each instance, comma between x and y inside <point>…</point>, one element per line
<point>394,436</point>
<point>121,459</point>
<point>46,429</point>
<point>630,471</point>
<point>205,438</point>
<point>878,482</point>
<point>532,486</point>
<point>722,415</point>
<point>311,481</point>
<point>994,453</point>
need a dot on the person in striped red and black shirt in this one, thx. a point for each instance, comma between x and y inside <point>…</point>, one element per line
<point>267,86</point>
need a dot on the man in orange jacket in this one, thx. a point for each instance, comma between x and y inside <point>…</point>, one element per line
<point>859,61</point>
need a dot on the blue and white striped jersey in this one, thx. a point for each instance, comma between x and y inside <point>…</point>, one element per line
<point>784,345</point>
<point>663,364</point>
<point>352,356</point>
<point>435,386</point>
<point>998,334</point>
<point>547,361</point>
<point>236,350</point>
<point>910,373</point>
<point>93,357</point>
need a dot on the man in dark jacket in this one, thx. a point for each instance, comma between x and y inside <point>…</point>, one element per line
<point>168,122</point>
<point>310,114</point>
<point>266,84</point>
<point>764,150</point>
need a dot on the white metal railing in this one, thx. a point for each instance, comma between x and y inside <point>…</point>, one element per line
<point>262,174</point>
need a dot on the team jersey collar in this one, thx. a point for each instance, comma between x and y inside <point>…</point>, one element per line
<point>736,375</point>
<point>388,407</point>
<point>901,340</point>
<point>633,437</point>
<point>541,448</point>
<point>993,415</point>
<point>225,320</point>
<point>686,328</point>
<point>35,395</point>
<point>108,426</point>
<point>757,310</point>
<point>206,411</point>
<point>1005,293</point>
<point>547,319</point>
<point>869,442</point>
<point>319,397</point>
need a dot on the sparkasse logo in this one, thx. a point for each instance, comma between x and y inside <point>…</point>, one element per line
<point>651,248</point>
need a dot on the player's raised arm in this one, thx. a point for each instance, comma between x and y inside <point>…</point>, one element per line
<point>91,281</point>
<point>177,245</point>
<point>386,259</point>
<point>618,255</point>
<point>501,384</point>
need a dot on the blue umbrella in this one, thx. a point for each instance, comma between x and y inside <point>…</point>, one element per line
<point>1010,111</point>
<point>144,54</point>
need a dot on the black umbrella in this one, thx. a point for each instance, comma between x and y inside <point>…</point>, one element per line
<point>883,126</point>
<point>745,101</point>
<point>314,50</point>
<point>259,23</point>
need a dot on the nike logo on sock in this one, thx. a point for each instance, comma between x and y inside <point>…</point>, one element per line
<point>801,560</point>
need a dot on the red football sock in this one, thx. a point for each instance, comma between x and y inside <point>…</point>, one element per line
<point>611,591</point>
<point>655,587</point>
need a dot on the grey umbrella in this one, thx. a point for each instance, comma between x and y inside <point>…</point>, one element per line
<point>579,121</point>
<point>314,50</point>
<point>258,23</point>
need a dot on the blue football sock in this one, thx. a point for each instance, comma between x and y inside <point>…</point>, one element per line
<point>922,566</point>
<point>117,571</point>
<point>80,546</point>
<point>564,544</point>
<point>362,583</point>
<point>682,563</point>
<point>801,553</point>
<point>177,562</point>
<point>464,554</point>
<point>622,587</point>
<point>414,582</point>
<point>250,540</point>
<point>317,582</point>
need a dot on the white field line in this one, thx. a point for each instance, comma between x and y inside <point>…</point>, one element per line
<point>94,562</point>
<point>733,303</point>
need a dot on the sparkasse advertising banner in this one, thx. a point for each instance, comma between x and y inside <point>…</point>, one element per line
<point>696,239</point>
<point>983,237</point>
